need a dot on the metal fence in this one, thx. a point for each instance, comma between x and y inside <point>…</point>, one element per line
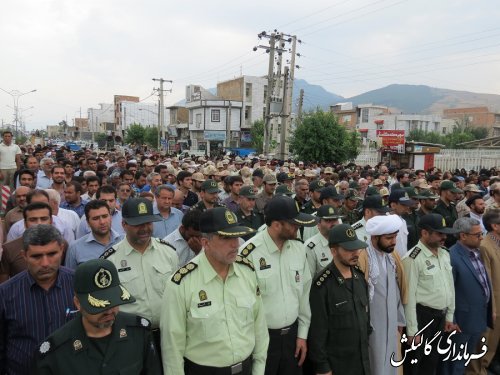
<point>447,160</point>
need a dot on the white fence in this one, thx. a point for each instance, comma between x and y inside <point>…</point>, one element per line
<point>448,159</point>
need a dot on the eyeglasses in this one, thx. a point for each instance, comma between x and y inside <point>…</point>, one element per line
<point>477,235</point>
<point>124,191</point>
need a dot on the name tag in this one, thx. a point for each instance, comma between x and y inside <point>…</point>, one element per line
<point>204,304</point>
<point>124,269</point>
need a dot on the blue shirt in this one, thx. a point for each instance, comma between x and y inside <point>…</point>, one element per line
<point>87,248</point>
<point>42,181</point>
<point>80,209</point>
<point>116,225</point>
<point>163,228</point>
<point>28,314</point>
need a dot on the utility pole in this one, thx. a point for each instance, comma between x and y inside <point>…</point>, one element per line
<point>299,110</point>
<point>270,89</point>
<point>228,125</point>
<point>285,115</point>
<point>162,107</point>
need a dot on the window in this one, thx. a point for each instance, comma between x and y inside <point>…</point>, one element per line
<point>248,92</point>
<point>198,119</point>
<point>215,115</point>
<point>346,118</point>
<point>364,115</point>
<point>444,130</point>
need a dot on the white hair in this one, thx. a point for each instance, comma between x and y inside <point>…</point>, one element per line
<point>88,174</point>
<point>54,196</point>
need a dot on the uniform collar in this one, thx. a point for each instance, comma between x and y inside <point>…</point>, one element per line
<point>270,244</point>
<point>208,271</point>
<point>425,249</point>
<point>129,248</point>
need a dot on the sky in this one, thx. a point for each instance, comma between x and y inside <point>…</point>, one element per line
<point>77,54</point>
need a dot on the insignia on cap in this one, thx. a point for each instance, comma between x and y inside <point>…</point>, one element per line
<point>102,278</point>
<point>203,295</point>
<point>77,345</point>
<point>142,208</point>
<point>125,294</point>
<point>123,333</point>
<point>330,210</point>
<point>350,233</point>
<point>213,184</point>
<point>45,347</point>
<point>97,302</point>
<point>230,217</point>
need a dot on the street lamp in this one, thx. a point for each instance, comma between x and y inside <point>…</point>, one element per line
<point>15,96</point>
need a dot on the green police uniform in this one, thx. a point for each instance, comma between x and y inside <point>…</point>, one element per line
<point>411,221</point>
<point>128,350</point>
<point>430,283</point>
<point>255,220</point>
<point>200,206</point>
<point>124,347</point>
<point>145,275</point>
<point>318,253</point>
<point>340,323</point>
<point>209,322</point>
<point>309,207</point>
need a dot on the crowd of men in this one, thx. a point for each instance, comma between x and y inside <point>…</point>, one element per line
<point>147,264</point>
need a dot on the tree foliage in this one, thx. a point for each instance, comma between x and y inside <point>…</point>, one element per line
<point>135,134</point>
<point>257,133</point>
<point>151,137</point>
<point>460,134</point>
<point>319,137</point>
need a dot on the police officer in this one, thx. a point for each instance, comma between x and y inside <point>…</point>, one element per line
<point>315,192</point>
<point>100,338</point>
<point>348,209</point>
<point>317,250</point>
<point>247,214</point>
<point>144,263</point>
<point>430,292</point>
<point>212,318</point>
<point>448,193</point>
<point>209,196</point>
<point>372,206</point>
<point>284,280</point>
<point>340,318</point>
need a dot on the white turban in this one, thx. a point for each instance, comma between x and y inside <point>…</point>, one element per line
<point>380,225</point>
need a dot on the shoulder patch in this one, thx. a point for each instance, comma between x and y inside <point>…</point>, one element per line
<point>247,250</point>
<point>311,245</point>
<point>108,253</point>
<point>183,271</point>
<point>415,252</point>
<point>143,322</point>
<point>163,242</point>
<point>320,279</point>
<point>357,226</point>
<point>245,261</point>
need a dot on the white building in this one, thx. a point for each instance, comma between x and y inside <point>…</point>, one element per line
<point>100,116</point>
<point>213,123</point>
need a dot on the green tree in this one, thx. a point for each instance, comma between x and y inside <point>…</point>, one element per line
<point>135,134</point>
<point>257,133</point>
<point>319,137</point>
<point>100,139</point>
<point>151,137</point>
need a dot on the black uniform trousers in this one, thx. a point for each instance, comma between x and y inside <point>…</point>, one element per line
<point>242,368</point>
<point>426,364</point>
<point>281,352</point>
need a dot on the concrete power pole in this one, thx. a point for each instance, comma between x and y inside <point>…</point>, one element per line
<point>285,115</point>
<point>270,89</point>
<point>161,110</point>
<point>299,110</point>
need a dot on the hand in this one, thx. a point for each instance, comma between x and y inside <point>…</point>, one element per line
<point>195,244</point>
<point>415,339</point>
<point>450,326</point>
<point>301,350</point>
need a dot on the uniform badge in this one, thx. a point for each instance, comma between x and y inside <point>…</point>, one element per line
<point>45,347</point>
<point>102,278</point>
<point>123,333</point>
<point>77,345</point>
<point>263,265</point>
<point>144,322</point>
<point>123,263</point>
<point>125,294</point>
<point>230,217</point>
<point>429,265</point>
<point>142,208</point>
<point>203,295</point>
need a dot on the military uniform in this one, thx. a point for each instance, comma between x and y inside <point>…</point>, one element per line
<point>450,216</point>
<point>255,220</point>
<point>145,275</point>
<point>340,323</point>
<point>318,253</point>
<point>210,322</point>
<point>200,206</point>
<point>350,216</point>
<point>360,229</point>
<point>411,221</point>
<point>128,350</point>
<point>309,207</point>
<point>261,201</point>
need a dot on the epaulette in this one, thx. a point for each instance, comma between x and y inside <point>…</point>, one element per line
<point>163,242</point>
<point>311,245</point>
<point>415,252</point>
<point>183,271</point>
<point>445,248</point>
<point>247,250</point>
<point>108,253</point>
<point>357,226</point>
<point>245,261</point>
<point>320,280</point>
<point>142,322</point>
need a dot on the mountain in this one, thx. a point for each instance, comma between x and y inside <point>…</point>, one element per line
<point>424,99</point>
<point>314,96</point>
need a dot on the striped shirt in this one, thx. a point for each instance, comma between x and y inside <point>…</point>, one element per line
<point>28,314</point>
<point>476,261</point>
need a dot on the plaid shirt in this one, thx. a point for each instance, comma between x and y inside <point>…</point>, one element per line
<point>475,258</point>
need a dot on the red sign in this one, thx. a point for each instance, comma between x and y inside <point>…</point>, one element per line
<point>393,140</point>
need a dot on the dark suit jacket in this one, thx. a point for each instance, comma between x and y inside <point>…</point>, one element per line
<point>472,312</point>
